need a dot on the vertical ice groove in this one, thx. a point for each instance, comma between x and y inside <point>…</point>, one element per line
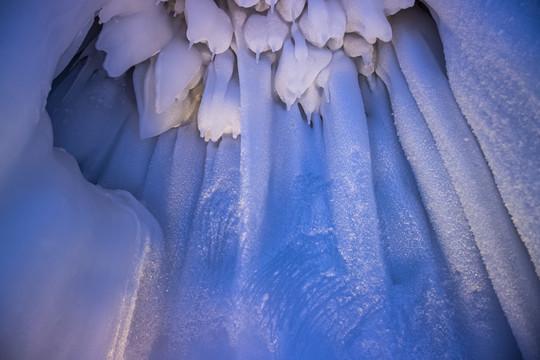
<point>500,246</point>
<point>353,208</point>
<point>470,283</point>
<point>215,238</point>
<point>407,241</point>
<point>209,255</point>
<point>171,192</point>
<point>301,279</point>
<point>256,113</point>
<point>498,98</point>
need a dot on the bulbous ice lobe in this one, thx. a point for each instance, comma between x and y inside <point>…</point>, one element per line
<point>296,73</point>
<point>153,122</point>
<point>178,70</point>
<point>129,40</point>
<point>206,22</point>
<point>263,33</point>
<point>323,20</point>
<point>368,17</point>
<point>406,207</point>
<point>122,8</point>
<point>290,10</point>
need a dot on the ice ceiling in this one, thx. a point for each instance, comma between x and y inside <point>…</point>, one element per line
<point>273,179</point>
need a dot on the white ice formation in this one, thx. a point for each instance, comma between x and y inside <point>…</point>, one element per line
<point>269,179</point>
<point>308,32</point>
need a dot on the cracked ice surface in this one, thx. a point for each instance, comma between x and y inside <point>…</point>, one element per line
<point>370,189</point>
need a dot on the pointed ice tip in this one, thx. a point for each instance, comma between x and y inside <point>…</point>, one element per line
<point>190,44</point>
<point>257,54</point>
<point>371,82</point>
<point>325,38</point>
<point>213,54</point>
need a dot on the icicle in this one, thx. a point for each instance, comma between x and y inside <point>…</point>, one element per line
<point>272,5</point>
<point>322,82</point>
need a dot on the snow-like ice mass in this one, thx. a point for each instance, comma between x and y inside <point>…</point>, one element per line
<point>269,179</point>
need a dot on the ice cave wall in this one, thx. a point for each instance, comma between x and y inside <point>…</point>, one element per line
<point>71,253</point>
<point>393,227</point>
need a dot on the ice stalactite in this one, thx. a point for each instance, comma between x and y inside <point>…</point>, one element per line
<point>269,179</point>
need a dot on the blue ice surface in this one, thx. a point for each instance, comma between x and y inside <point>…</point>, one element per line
<point>400,224</point>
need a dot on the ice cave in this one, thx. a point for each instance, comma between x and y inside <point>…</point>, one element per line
<point>270,179</point>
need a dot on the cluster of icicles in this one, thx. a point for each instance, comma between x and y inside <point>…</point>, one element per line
<point>184,53</point>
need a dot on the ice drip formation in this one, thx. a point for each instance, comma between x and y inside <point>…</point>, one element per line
<point>269,179</point>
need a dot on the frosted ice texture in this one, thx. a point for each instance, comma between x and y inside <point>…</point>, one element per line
<point>382,215</point>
